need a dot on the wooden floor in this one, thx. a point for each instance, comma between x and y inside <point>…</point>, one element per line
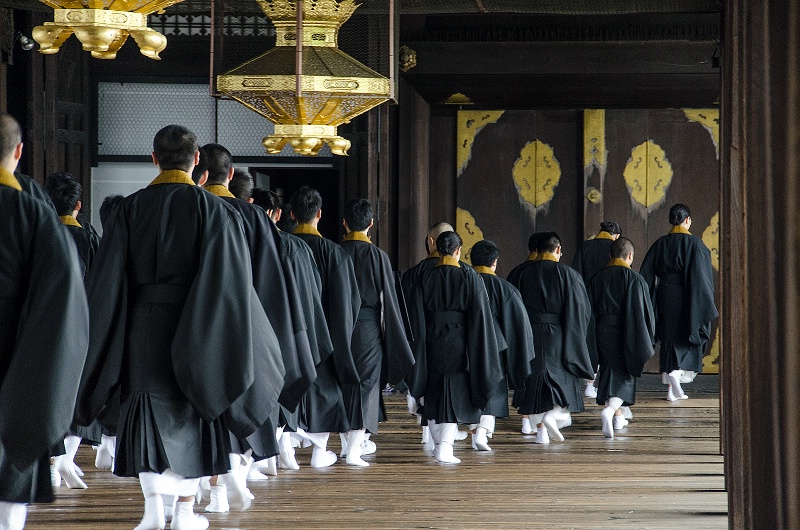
<point>663,471</point>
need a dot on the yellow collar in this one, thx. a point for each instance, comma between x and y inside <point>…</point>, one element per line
<point>617,262</point>
<point>548,256</point>
<point>449,261</point>
<point>602,234</point>
<point>305,228</point>
<point>483,269</point>
<point>357,236</point>
<point>219,190</point>
<point>678,229</point>
<point>8,179</point>
<point>69,220</point>
<point>173,176</point>
<point>533,256</point>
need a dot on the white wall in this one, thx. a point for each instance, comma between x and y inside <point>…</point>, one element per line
<point>118,178</point>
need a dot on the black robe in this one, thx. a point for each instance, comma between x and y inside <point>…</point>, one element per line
<point>592,256</point>
<point>44,334</point>
<point>323,408</point>
<point>677,269</point>
<point>271,281</point>
<point>516,358</point>
<point>177,325</point>
<point>624,330</point>
<point>455,345</point>
<point>86,244</point>
<point>379,342</point>
<point>559,312</point>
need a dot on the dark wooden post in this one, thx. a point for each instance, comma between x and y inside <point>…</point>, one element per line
<point>761,248</point>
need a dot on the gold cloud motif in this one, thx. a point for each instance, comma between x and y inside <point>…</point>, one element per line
<point>468,229</point>
<point>711,361</point>
<point>470,122</point>
<point>536,173</point>
<point>709,119</point>
<point>648,174</point>
<point>711,239</point>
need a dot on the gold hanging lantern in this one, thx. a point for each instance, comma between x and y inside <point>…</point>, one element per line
<point>102,26</point>
<point>306,87</point>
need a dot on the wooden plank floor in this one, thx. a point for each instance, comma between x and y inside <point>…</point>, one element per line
<point>663,471</point>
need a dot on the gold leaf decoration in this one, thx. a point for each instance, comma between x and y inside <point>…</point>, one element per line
<point>536,173</point>
<point>648,174</point>
<point>469,232</point>
<point>594,138</point>
<point>711,239</point>
<point>470,122</point>
<point>708,118</point>
<point>711,361</point>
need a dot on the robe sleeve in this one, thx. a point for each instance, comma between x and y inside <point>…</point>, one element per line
<point>107,286</point>
<point>639,334</point>
<point>700,285</point>
<point>398,356</point>
<point>516,328</point>
<point>37,393</point>
<point>214,349</point>
<point>485,370</point>
<point>417,378</point>
<point>342,288</point>
<point>577,312</point>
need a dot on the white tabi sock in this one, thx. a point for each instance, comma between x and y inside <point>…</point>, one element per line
<point>354,440</point>
<point>12,515</point>
<point>320,457</point>
<point>550,422</point>
<point>286,459</point>
<point>527,428</point>
<point>186,519</point>
<point>65,464</point>
<point>444,449</point>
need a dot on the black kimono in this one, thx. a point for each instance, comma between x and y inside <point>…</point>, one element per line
<point>379,339</point>
<point>176,323</point>
<point>323,408</point>
<point>456,350</point>
<point>592,256</point>
<point>270,283</point>
<point>44,334</point>
<point>677,268</point>
<point>624,330</point>
<point>559,312</point>
<point>512,319</point>
<point>86,242</point>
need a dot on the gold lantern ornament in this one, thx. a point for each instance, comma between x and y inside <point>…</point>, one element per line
<point>102,26</point>
<point>307,87</point>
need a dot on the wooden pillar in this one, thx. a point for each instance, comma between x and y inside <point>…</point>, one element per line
<point>761,257</point>
<point>443,190</point>
<point>413,170</point>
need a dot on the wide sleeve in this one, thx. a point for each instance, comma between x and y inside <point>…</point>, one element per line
<point>222,345</point>
<point>399,358</point>
<point>107,287</point>
<point>516,328</point>
<point>485,370</point>
<point>417,378</point>
<point>38,391</point>
<point>639,333</point>
<point>343,292</point>
<point>700,285</point>
<point>577,312</point>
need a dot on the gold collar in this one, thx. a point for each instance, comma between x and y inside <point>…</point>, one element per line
<point>448,261</point>
<point>548,256</point>
<point>602,234</point>
<point>305,228</point>
<point>173,176</point>
<point>483,269</point>
<point>357,236</point>
<point>219,190</point>
<point>69,220</point>
<point>533,256</point>
<point>617,262</point>
<point>8,179</point>
<point>678,229</point>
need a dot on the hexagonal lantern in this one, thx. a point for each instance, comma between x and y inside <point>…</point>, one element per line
<point>101,30</point>
<point>308,88</point>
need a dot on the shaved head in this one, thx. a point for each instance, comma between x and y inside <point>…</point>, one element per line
<point>10,135</point>
<point>439,228</point>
